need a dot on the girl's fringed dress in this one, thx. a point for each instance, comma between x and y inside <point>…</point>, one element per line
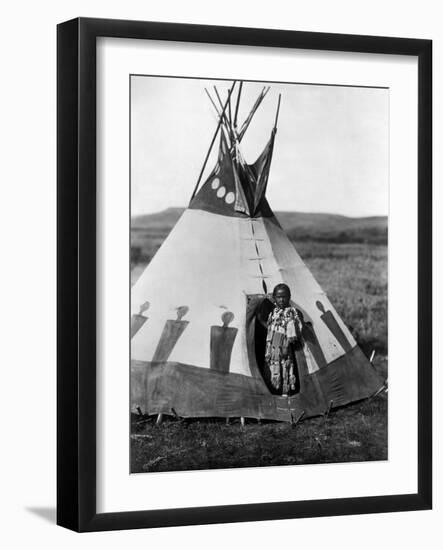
<point>283,329</point>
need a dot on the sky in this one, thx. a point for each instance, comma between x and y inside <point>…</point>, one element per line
<point>331,152</point>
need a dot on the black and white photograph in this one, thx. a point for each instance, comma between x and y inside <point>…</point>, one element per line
<point>259,273</point>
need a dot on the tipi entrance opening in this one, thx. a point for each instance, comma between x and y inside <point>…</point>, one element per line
<point>263,306</point>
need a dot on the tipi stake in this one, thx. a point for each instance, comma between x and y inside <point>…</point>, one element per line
<point>159,418</point>
<point>383,388</point>
<point>298,419</point>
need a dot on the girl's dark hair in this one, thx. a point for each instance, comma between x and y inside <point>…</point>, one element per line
<point>281,286</point>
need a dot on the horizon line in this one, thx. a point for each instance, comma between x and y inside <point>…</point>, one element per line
<point>275,212</point>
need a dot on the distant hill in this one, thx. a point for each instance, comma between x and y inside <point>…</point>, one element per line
<point>300,226</point>
<point>165,218</point>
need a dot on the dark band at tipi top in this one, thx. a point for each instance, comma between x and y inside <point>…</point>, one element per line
<point>234,187</point>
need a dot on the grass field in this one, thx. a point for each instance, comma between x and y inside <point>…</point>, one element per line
<point>353,434</point>
<point>354,275</point>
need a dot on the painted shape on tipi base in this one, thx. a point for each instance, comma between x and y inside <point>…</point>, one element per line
<point>331,322</point>
<point>313,345</point>
<point>138,319</point>
<point>170,335</point>
<point>222,342</point>
<point>309,383</point>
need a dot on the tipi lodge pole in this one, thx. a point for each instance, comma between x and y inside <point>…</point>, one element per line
<point>212,142</point>
<point>227,119</point>
<point>228,113</point>
<point>238,103</point>
<point>278,111</point>
<point>213,104</point>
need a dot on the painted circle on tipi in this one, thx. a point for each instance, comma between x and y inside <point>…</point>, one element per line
<point>215,183</point>
<point>221,192</point>
<point>230,197</point>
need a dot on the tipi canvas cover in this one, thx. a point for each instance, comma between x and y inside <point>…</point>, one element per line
<point>197,335</point>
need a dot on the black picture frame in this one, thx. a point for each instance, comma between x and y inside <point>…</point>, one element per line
<point>76,294</point>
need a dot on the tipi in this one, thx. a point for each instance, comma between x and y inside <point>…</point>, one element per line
<point>197,336</point>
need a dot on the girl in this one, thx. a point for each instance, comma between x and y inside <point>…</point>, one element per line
<point>284,328</point>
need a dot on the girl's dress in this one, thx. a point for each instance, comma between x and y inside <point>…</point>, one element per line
<point>283,329</point>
